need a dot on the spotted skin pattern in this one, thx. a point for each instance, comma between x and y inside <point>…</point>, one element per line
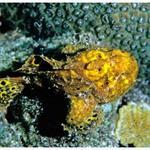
<point>9,89</point>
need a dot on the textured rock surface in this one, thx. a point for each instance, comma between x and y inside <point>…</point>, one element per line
<point>14,48</point>
<point>133,125</point>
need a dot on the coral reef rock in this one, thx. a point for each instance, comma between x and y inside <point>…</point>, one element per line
<point>133,125</point>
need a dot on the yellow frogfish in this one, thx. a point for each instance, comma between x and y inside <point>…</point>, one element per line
<point>89,78</point>
<point>100,74</point>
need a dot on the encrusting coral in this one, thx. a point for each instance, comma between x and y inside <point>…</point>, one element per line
<point>88,78</point>
<point>133,125</point>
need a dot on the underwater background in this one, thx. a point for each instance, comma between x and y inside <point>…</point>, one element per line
<point>28,29</point>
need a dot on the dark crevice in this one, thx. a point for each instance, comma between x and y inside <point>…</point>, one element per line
<point>5,25</point>
<point>54,53</point>
<point>55,107</point>
<point>123,102</point>
<point>129,145</point>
